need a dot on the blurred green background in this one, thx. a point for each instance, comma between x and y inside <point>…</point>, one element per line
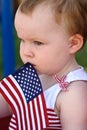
<point>81,56</point>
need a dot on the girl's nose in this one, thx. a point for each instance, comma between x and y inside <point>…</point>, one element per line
<point>28,51</point>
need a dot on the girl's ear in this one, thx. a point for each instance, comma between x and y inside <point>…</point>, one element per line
<point>76,43</point>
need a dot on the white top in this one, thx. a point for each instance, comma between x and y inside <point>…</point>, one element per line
<point>52,92</point>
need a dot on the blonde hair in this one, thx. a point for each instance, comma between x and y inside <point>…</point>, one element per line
<point>74,13</point>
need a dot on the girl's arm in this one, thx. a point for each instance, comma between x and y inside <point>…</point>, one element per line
<point>5,110</point>
<point>73,106</point>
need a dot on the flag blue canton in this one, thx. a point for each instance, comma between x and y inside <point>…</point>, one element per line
<point>29,81</point>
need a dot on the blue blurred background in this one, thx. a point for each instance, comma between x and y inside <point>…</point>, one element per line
<point>9,47</point>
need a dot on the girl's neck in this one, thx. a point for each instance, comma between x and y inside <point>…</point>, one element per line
<point>48,81</point>
<point>68,68</point>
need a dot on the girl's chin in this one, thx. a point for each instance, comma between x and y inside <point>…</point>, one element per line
<point>38,72</point>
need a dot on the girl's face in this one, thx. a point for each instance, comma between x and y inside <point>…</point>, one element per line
<point>44,43</point>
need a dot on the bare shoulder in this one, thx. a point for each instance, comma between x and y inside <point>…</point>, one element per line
<point>72,105</point>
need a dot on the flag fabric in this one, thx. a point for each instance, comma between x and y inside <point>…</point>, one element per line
<point>24,94</point>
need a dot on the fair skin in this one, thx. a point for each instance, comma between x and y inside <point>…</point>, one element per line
<point>43,42</point>
<point>51,49</point>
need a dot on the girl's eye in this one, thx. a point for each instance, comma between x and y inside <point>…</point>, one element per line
<point>38,43</point>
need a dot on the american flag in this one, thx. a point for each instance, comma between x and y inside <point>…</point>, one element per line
<point>23,92</point>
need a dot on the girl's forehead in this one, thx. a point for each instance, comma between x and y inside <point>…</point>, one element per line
<point>38,15</point>
<point>39,20</point>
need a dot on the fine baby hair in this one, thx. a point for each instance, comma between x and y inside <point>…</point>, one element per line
<point>67,11</point>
